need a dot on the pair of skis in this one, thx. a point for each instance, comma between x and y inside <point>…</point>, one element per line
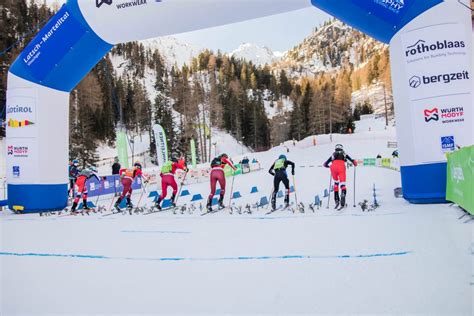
<point>281,207</point>
<point>210,210</point>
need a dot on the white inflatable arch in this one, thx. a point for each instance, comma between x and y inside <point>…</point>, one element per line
<point>431,54</point>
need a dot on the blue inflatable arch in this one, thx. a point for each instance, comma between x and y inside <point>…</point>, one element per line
<point>83,31</point>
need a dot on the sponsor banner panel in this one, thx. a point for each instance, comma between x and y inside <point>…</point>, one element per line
<point>22,160</point>
<point>439,81</point>
<point>437,59</point>
<point>439,124</point>
<point>21,117</point>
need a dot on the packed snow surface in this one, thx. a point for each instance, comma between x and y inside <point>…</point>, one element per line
<point>397,259</point>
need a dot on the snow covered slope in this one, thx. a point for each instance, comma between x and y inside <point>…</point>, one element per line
<point>398,259</point>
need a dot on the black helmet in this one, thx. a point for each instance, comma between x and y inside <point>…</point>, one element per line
<point>339,147</point>
<point>174,159</point>
<point>138,165</point>
<point>224,156</point>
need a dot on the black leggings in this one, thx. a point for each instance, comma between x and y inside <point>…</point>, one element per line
<point>280,177</point>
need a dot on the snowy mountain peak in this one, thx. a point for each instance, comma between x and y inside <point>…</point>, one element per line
<point>259,55</point>
<point>173,50</point>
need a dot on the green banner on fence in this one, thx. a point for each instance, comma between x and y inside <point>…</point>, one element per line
<point>369,161</point>
<point>193,153</point>
<point>121,144</point>
<point>460,180</point>
<point>228,170</point>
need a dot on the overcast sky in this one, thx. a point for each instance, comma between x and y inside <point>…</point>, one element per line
<point>279,32</point>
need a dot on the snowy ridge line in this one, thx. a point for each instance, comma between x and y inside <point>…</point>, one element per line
<point>284,257</point>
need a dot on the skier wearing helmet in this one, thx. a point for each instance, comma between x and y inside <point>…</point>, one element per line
<point>278,170</point>
<point>168,180</point>
<point>128,176</point>
<point>81,183</point>
<point>337,164</point>
<point>217,175</point>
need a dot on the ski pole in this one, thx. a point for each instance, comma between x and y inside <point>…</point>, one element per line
<point>355,186</point>
<point>231,189</point>
<point>181,187</point>
<point>294,187</point>
<point>270,198</point>
<point>329,189</point>
<point>100,192</point>
<point>141,195</point>
<point>113,198</point>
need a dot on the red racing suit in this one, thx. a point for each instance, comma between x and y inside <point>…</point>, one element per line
<point>217,175</point>
<point>128,176</point>
<point>168,180</point>
<point>337,165</point>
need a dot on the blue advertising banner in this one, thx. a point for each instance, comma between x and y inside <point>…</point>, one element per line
<point>109,185</point>
<point>53,42</point>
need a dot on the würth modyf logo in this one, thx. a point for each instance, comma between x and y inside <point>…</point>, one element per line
<point>431,115</point>
<point>99,3</point>
<point>421,47</point>
<point>415,82</point>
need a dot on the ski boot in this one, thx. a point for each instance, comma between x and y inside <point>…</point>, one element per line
<point>129,203</point>
<point>287,201</point>
<point>117,205</point>
<point>273,202</point>
<point>343,198</point>
<point>221,202</point>
<point>73,208</point>
<point>336,199</point>
<point>85,207</point>
<point>173,198</point>
<point>157,205</point>
<point>209,205</point>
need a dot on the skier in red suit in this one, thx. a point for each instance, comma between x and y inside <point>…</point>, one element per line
<point>217,175</point>
<point>337,164</point>
<point>168,180</point>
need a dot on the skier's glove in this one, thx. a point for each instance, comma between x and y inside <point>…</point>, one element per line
<point>355,163</point>
<point>293,172</point>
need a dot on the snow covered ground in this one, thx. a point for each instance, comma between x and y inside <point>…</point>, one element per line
<point>398,259</point>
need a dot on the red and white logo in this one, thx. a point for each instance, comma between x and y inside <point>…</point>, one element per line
<point>431,115</point>
<point>445,115</point>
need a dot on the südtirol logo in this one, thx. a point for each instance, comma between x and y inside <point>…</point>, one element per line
<point>431,115</point>
<point>393,5</point>
<point>416,81</point>
<point>18,124</point>
<point>19,109</point>
<point>423,47</point>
